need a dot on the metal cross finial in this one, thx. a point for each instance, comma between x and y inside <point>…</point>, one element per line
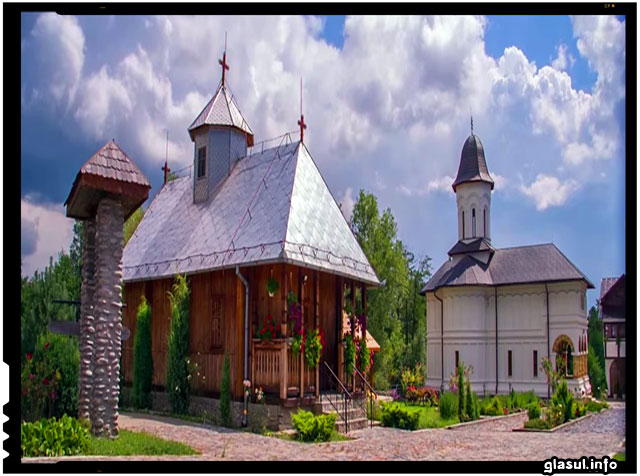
<point>472,124</point>
<point>166,168</point>
<point>301,123</point>
<point>223,61</point>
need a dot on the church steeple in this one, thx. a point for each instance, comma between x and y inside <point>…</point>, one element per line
<point>473,186</point>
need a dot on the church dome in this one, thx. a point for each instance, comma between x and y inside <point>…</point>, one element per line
<point>473,166</point>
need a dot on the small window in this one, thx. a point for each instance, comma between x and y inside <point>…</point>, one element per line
<point>473,222</point>
<point>484,221</point>
<point>202,162</point>
<point>457,360</point>
<point>216,322</point>
<point>463,235</point>
<point>509,367</point>
<point>535,363</point>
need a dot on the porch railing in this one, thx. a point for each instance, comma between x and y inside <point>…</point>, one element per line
<point>369,394</point>
<point>276,369</point>
<point>342,396</point>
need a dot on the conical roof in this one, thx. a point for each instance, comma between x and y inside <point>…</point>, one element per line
<point>473,166</point>
<point>222,110</point>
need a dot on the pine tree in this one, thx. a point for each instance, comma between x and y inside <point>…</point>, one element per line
<point>225,393</point>
<point>461,400</point>
<point>142,358</point>
<point>178,388</point>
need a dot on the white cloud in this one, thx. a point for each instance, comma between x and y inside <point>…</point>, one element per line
<point>442,184</point>
<point>563,60</point>
<point>548,191</point>
<point>53,229</point>
<point>500,181</point>
<point>58,42</point>
<point>347,202</point>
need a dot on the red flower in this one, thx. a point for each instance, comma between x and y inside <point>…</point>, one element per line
<point>46,346</point>
<point>29,356</point>
<point>506,411</point>
<point>46,381</point>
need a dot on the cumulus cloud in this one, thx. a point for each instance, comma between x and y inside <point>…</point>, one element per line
<point>48,231</point>
<point>347,202</point>
<point>563,60</point>
<point>442,184</point>
<point>57,41</point>
<point>547,191</point>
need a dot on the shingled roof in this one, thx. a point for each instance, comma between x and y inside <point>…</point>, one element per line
<point>222,110</point>
<point>273,207</point>
<point>479,244</point>
<point>110,169</point>
<point>518,265</point>
<point>473,166</point>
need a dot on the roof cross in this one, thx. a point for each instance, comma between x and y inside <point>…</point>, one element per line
<point>225,66</point>
<point>301,123</point>
<point>166,168</point>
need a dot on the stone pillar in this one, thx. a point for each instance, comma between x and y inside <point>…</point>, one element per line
<point>108,318</point>
<point>87,329</point>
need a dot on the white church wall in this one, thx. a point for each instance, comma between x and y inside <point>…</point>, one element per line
<point>472,195</point>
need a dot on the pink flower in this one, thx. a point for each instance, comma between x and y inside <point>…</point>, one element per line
<point>52,395</point>
<point>246,393</point>
<point>30,376</point>
<point>29,356</point>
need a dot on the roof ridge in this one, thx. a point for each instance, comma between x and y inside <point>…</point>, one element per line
<point>293,184</point>
<point>525,246</point>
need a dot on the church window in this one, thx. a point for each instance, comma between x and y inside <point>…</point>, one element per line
<point>484,221</point>
<point>463,236</point>
<point>473,222</point>
<point>535,363</point>
<point>216,322</point>
<point>457,360</point>
<point>509,367</point>
<point>202,162</point>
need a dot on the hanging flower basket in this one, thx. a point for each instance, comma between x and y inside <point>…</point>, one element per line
<point>272,286</point>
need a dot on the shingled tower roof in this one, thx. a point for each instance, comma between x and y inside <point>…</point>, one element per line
<point>473,166</point>
<point>222,110</point>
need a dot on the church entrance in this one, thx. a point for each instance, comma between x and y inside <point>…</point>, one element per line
<point>616,377</point>
<point>563,348</point>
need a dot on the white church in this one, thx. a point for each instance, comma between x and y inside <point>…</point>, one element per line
<point>502,310</point>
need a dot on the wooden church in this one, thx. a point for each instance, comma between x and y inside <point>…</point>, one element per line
<point>246,216</point>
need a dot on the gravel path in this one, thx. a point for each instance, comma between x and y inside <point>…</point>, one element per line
<point>599,435</point>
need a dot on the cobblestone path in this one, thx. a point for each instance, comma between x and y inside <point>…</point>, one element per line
<point>598,436</point>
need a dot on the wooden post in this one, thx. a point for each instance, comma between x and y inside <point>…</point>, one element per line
<point>284,292</point>
<point>316,305</point>
<point>339,326</point>
<point>353,327</point>
<point>301,301</point>
<point>283,371</point>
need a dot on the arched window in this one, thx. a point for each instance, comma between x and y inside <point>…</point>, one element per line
<point>463,237</point>
<point>484,221</point>
<point>473,222</point>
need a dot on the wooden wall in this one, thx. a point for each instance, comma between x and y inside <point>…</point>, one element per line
<point>217,318</point>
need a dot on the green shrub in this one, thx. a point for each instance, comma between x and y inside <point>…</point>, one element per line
<point>562,397</point>
<point>460,375</point>
<point>554,414</point>
<point>448,405</point>
<point>393,415</point>
<point>524,399</point>
<point>578,410</point>
<point>493,406</point>
<point>412,377</point>
<point>225,393</point>
<point>142,359</point>
<point>597,377</point>
<point>178,389</point>
<point>312,427</point>
<point>534,411</point>
<point>54,437</point>
<point>470,406</point>
<point>538,424</point>
<point>595,406</point>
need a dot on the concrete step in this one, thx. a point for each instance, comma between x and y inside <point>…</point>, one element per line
<point>355,424</point>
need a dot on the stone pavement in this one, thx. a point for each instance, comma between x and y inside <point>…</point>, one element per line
<point>598,436</point>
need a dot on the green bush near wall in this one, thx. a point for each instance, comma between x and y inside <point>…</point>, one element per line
<point>142,358</point>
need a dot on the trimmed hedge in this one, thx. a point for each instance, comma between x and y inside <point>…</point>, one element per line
<point>534,411</point>
<point>538,424</point>
<point>142,358</point>
<point>395,416</point>
<point>54,437</point>
<point>448,406</point>
<point>178,388</point>
<point>313,428</point>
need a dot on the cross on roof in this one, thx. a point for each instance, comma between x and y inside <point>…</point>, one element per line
<point>166,170</point>
<point>223,63</point>
<point>303,126</point>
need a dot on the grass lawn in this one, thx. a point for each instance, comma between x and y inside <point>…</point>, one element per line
<point>620,456</point>
<point>430,417</point>
<point>136,443</point>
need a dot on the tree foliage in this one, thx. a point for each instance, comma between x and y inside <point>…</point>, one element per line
<point>142,358</point>
<point>225,393</point>
<point>178,388</point>
<point>395,311</point>
<point>131,225</point>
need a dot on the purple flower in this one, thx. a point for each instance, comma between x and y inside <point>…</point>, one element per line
<point>52,395</point>
<point>30,376</point>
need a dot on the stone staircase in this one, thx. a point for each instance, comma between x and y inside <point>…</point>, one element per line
<point>356,413</point>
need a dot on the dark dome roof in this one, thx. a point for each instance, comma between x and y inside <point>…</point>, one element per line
<point>473,166</point>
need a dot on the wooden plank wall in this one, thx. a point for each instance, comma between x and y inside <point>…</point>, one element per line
<point>227,290</point>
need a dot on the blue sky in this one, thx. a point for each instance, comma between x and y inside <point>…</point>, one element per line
<point>387,101</point>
